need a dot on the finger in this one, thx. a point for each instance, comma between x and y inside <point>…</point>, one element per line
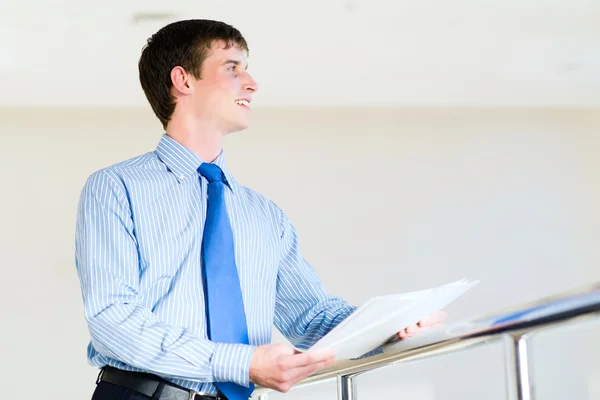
<point>317,356</point>
<point>292,377</point>
<point>403,334</point>
<point>431,326</point>
<point>411,330</point>
<point>434,318</point>
<point>425,321</point>
<point>437,317</point>
<point>305,359</point>
<point>298,374</point>
<point>293,361</point>
<point>425,328</point>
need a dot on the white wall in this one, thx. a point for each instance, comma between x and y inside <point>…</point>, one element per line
<point>384,201</point>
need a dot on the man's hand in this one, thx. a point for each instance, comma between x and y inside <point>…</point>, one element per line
<point>280,367</point>
<point>433,321</point>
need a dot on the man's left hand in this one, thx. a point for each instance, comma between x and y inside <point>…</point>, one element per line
<point>433,321</point>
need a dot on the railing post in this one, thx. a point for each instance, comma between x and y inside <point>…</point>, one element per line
<point>346,387</point>
<point>518,367</point>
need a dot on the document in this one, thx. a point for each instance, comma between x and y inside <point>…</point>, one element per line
<point>378,320</point>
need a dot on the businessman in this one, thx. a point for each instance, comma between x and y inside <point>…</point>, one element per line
<point>183,270</point>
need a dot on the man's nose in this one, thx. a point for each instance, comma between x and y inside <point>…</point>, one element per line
<point>250,84</point>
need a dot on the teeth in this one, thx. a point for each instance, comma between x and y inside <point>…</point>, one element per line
<point>242,102</point>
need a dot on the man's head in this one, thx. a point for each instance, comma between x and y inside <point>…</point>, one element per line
<point>196,70</point>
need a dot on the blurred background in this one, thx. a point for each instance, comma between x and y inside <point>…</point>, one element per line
<point>410,142</point>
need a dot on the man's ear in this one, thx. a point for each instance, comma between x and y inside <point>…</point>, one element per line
<point>180,80</point>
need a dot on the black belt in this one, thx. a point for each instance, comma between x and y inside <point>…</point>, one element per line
<point>151,385</point>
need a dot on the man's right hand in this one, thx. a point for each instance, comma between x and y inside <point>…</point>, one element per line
<point>280,367</point>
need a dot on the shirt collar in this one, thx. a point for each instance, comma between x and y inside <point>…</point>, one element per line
<point>184,163</point>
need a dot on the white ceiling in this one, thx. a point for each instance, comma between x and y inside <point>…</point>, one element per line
<point>327,52</point>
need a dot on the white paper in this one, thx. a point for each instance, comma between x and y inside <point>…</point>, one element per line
<point>380,318</point>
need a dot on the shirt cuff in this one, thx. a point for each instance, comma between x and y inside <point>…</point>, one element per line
<point>231,363</point>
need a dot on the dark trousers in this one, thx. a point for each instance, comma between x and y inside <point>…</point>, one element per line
<point>108,391</point>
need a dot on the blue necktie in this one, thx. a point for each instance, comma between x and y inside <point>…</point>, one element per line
<point>225,306</point>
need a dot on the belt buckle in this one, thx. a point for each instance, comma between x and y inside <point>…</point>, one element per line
<point>193,395</point>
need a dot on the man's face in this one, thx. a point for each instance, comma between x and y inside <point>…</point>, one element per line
<point>223,94</point>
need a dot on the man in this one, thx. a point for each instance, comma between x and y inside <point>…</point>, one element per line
<point>183,270</point>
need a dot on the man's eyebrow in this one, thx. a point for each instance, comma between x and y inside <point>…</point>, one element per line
<point>234,62</point>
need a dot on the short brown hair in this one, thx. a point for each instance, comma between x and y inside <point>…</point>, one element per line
<point>185,44</point>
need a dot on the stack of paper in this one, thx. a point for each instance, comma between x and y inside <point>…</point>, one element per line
<point>380,318</point>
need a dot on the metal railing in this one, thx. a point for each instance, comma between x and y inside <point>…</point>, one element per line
<point>513,328</point>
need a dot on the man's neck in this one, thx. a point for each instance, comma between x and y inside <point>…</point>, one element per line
<point>205,142</point>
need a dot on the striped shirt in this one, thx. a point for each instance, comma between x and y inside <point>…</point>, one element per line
<point>138,239</point>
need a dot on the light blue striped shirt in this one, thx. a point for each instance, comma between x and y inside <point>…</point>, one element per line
<point>138,239</point>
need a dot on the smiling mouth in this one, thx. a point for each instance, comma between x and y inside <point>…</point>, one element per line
<point>245,103</point>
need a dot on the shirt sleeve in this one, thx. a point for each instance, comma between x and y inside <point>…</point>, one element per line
<point>120,326</point>
<point>304,312</point>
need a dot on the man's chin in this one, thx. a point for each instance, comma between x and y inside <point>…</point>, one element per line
<point>240,126</point>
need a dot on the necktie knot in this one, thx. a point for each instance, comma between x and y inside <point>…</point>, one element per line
<point>211,172</point>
